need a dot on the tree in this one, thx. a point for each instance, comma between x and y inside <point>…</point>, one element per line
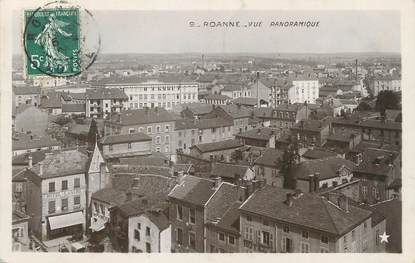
<point>287,162</point>
<point>363,106</point>
<point>387,99</point>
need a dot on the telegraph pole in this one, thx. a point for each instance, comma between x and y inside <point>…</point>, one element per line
<point>257,89</point>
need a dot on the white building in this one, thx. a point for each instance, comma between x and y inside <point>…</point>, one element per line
<point>162,93</point>
<point>378,84</point>
<point>303,89</point>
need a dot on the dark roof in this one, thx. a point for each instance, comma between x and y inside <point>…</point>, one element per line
<point>308,210</point>
<point>105,93</point>
<point>213,123</point>
<point>228,170</point>
<point>51,100</point>
<point>23,142</point>
<point>377,162</point>
<point>158,218</point>
<point>144,116</point>
<point>18,216</point>
<point>21,108</point>
<point>141,205</point>
<point>69,96</point>
<point>23,159</point>
<point>236,111</point>
<point>318,154</point>
<point>111,196</point>
<point>327,167</point>
<point>123,138</point>
<point>232,87</point>
<point>73,107</point>
<point>230,220</point>
<point>79,129</point>
<point>197,108</point>
<point>222,200</point>
<point>193,190</point>
<point>397,183</point>
<point>162,78</point>
<point>185,124</point>
<point>269,157</point>
<point>61,163</point>
<point>217,97</point>
<point>379,124</point>
<point>263,133</point>
<point>310,125</point>
<point>218,146</point>
<point>245,101</point>
<point>26,90</point>
<point>344,136</point>
<point>151,160</point>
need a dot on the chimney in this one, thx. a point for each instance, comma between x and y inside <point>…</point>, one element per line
<point>218,181</point>
<point>30,161</point>
<point>316,181</point>
<point>311,183</point>
<point>289,200</point>
<point>343,203</point>
<point>129,196</point>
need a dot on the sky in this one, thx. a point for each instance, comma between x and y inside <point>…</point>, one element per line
<point>169,32</point>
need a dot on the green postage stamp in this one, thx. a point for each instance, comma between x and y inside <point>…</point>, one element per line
<point>52,42</point>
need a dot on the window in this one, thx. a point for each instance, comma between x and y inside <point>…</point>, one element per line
<point>138,225</point>
<point>286,229</point>
<point>147,231</point>
<point>305,247</point>
<point>51,206</point>
<point>110,147</point>
<point>96,207</point>
<point>77,200</point>
<point>137,235</point>
<point>166,149</point>
<point>324,239</point>
<point>192,216</point>
<point>51,187</point>
<point>364,190</point>
<point>64,185</point>
<point>179,236</point>
<point>265,238</point>
<point>167,128</point>
<point>221,236</point>
<point>305,234</point>
<point>158,139</point>
<point>248,218</point>
<point>231,239</point>
<point>158,128</point>
<point>148,247</point>
<point>192,240</point>
<point>64,204</point>
<point>179,212</point>
<point>77,183</point>
<point>365,226</point>
<point>102,209</point>
<point>167,139</point>
<point>149,129</point>
<point>19,187</point>
<point>131,130</point>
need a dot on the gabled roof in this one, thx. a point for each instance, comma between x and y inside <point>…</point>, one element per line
<point>26,90</point>
<point>308,210</point>
<point>217,146</point>
<point>23,142</point>
<point>269,157</point>
<point>377,162</point>
<point>229,170</point>
<point>143,116</point>
<point>327,167</point>
<point>236,111</point>
<point>105,93</point>
<point>61,163</point>
<point>213,123</point>
<point>110,196</point>
<point>23,159</point>
<point>263,133</point>
<point>193,190</point>
<point>124,138</point>
<point>318,154</point>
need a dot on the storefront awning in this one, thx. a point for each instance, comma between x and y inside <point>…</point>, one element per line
<point>66,220</point>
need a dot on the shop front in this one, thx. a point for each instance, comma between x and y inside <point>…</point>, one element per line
<point>65,225</point>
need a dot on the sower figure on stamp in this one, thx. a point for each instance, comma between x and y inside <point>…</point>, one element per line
<point>47,39</point>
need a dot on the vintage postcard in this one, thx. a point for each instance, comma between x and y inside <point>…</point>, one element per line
<point>256,128</point>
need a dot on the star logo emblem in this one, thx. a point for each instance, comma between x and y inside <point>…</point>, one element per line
<point>384,238</point>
